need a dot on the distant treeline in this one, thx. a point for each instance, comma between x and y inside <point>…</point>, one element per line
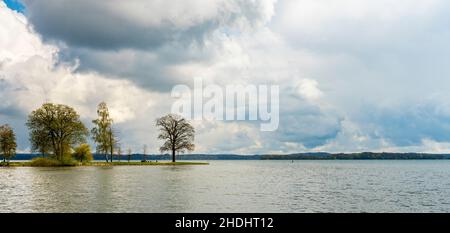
<point>297,156</point>
<point>361,156</point>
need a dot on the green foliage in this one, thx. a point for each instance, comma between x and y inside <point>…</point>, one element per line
<point>68,161</point>
<point>49,162</point>
<point>57,128</point>
<point>83,153</point>
<point>41,142</point>
<point>7,142</point>
<point>102,133</point>
<point>13,164</point>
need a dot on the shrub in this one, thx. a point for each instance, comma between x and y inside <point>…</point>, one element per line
<point>68,161</point>
<point>4,164</point>
<point>83,153</point>
<point>48,162</point>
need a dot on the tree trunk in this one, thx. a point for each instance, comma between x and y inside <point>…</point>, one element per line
<point>173,155</point>
<point>61,151</point>
<point>111,151</point>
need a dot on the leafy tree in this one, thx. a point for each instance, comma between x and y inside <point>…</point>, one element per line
<point>41,142</point>
<point>7,142</point>
<point>103,133</point>
<point>83,153</point>
<point>177,133</point>
<point>57,127</point>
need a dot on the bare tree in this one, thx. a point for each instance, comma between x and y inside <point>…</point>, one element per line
<point>144,157</point>
<point>119,152</point>
<point>129,154</point>
<point>177,132</point>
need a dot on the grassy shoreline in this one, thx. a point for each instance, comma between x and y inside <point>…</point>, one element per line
<point>100,164</point>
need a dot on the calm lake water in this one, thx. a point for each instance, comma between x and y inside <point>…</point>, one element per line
<point>232,186</point>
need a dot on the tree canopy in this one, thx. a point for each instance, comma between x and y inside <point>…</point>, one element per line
<point>57,128</point>
<point>177,132</point>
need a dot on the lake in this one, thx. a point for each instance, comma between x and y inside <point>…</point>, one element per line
<point>232,186</point>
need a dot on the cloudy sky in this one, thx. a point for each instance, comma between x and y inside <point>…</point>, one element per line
<point>353,75</point>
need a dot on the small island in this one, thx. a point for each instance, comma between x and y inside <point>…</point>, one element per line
<point>58,134</point>
<point>53,163</point>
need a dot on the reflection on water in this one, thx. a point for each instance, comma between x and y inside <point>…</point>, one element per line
<point>232,186</point>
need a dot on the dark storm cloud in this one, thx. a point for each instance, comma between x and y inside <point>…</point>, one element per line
<point>149,70</point>
<point>105,25</point>
<point>126,42</point>
<point>308,125</point>
<point>409,125</point>
<point>85,25</point>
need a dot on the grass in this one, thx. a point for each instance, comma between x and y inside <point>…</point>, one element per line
<point>46,162</point>
<point>13,164</point>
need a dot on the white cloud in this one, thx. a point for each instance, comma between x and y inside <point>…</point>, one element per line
<point>308,89</point>
<point>323,19</point>
<point>18,43</point>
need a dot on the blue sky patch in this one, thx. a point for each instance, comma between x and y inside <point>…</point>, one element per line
<point>15,5</point>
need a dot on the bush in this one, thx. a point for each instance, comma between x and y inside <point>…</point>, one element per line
<point>83,153</point>
<point>4,164</point>
<point>48,162</point>
<point>68,161</point>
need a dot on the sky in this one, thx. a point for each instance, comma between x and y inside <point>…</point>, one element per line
<point>353,75</point>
